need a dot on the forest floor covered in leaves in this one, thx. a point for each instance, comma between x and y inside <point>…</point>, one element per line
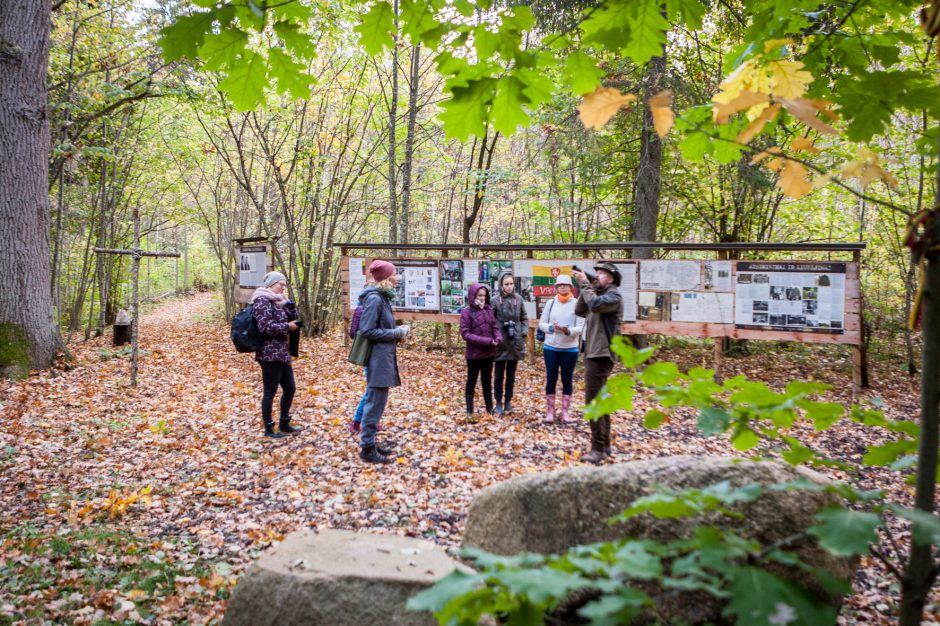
<point>145,505</point>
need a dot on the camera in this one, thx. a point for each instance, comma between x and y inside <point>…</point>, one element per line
<point>591,277</point>
<point>299,322</point>
<point>510,327</point>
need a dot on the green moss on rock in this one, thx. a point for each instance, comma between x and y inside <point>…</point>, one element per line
<point>14,350</point>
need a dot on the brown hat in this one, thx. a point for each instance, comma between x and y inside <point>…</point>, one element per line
<point>607,266</point>
<point>380,270</point>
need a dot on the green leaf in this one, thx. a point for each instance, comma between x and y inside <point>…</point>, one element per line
<point>844,532</point>
<point>822,414</point>
<point>622,606</point>
<point>223,49</point>
<point>543,584</point>
<point>660,374</point>
<point>465,112</point>
<point>616,395</point>
<point>759,598</point>
<point>296,40</point>
<point>713,420</point>
<point>688,12</point>
<point>182,38</point>
<point>538,87</point>
<point>434,599</point>
<point>581,73</point>
<point>291,76</point>
<point>745,439</point>
<point>888,453</point>
<point>417,17</point>
<point>695,145</point>
<point>507,112</point>
<point>798,453</point>
<point>648,33</point>
<point>654,419</point>
<point>630,356</point>
<point>635,560</point>
<point>246,81</point>
<point>926,529</point>
<point>376,28</point>
<point>485,42</point>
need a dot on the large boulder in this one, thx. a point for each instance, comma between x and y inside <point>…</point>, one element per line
<point>550,512</point>
<point>338,578</point>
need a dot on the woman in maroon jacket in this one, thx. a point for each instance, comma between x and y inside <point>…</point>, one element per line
<point>276,317</point>
<point>481,331</point>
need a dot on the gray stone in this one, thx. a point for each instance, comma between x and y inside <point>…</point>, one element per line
<point>550,512</point>
<point>338,578</point>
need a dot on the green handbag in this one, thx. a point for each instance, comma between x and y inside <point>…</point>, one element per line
<point>360,350</point>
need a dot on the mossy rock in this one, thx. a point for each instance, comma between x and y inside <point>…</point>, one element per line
<point>14,351</point>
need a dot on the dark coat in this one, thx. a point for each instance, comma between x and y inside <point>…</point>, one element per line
<point>272,324</point>
<point>506,309</point>
<point>602,310</point>
<point>479,327</point>
<point>377,324</point>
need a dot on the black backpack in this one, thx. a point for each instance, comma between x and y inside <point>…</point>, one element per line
<point>245,333</point>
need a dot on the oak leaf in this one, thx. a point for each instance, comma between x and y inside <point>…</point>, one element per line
<point>757,125</point>
<point>661,109</point>
<point>601,104</point>
<point>793,181</point>
<point>805,111</point>
<point>788,79</point>
<point>805,144</point>
<point>745,100</point>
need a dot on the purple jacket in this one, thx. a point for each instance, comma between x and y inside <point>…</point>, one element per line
<point>354,324</point>
<point>479,327</point>
<point>272,323</point>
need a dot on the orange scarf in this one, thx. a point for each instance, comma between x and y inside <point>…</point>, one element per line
<point>564,299</point>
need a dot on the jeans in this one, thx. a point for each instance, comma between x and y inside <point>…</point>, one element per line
<point>507,368</point>
<point>376,399</point>
<point>362,401</point>
<point>555,359</point>
<point>274,374</point>
<point>484,369</point>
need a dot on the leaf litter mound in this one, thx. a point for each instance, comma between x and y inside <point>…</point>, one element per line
<point>144,505</point>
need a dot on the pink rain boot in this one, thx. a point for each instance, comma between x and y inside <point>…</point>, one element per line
<point>565,418</point>
<point>550,410</point>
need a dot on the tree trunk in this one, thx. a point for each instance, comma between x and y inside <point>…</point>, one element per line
<point>921,570</point>
<point>27,326</point>
<point>646,196</point>
<point>392,123</point>
<point>409,144</point>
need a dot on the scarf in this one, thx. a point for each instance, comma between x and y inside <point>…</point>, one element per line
<point>564,299</point>
<point>279,299</point>
<point>389,294</point>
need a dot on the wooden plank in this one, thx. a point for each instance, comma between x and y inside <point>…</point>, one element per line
<point>853,247</point>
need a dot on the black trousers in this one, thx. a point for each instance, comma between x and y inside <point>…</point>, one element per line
<point>596,372</point>
<point>507,369</point>
<point>276,374</point>
<point>484,369</point>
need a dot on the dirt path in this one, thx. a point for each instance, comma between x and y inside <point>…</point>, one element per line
<point>180,464</point>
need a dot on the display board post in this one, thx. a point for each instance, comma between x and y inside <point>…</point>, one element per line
<point>449,338</point>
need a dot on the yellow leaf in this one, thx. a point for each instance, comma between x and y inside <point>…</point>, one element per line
<point>748,77</point>
<point>772,44</point>
<point>821,180</point>
<point>866,170</point>
<point>757,125</point>
<point>804,110</point>
<point>136,594</point>
<point>805,144</point>
<point>661,108</point>
<point>600,105</point>
<point>788,79</point>
<point>792,180</point>
<point>775,164</point>
<point>744,100</point>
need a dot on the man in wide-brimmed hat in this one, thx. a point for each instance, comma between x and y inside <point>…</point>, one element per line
<point>601,303</point>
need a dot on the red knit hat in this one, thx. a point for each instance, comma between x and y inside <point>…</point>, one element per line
<point>380,270</point>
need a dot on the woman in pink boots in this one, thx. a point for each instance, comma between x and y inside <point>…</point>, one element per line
<point>562,330</point>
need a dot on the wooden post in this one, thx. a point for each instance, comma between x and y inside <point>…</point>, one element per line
<point>860,351</point>
<point>531,345</point>
<point>137,254</point>
<point>720,342</point>
<point>449,338</point>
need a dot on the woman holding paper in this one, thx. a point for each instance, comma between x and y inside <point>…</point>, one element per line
<point>562,330</point>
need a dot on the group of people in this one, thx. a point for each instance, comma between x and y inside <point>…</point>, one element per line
<point>494,328</point>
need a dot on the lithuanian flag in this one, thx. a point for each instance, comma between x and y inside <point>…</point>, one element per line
<point>543,278</point>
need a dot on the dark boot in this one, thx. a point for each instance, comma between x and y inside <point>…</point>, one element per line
<point>370,454</point>
<point>270,432</point>
<point>469,398</point>
<point>508,408</point>
<point>499,408</point>
<point>384,450</point>
<point>597,453</point>
<point>605,433</point>
<point>285,427</point>
<point>594,457</point>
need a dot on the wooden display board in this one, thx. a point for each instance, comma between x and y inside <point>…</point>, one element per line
<point>806,301</point>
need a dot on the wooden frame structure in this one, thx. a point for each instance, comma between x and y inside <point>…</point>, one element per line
<point>852,333</point>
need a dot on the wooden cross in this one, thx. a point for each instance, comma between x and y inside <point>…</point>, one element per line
<point>137,253</point>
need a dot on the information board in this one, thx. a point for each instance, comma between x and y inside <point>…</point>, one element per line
<point>252,266</point>
<point>797,296</point>
<point>419,288</point>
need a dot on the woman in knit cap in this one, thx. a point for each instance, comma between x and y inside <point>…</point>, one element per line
<point>562,330</point>
<point>276,317</point>
<point>377,324</point>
